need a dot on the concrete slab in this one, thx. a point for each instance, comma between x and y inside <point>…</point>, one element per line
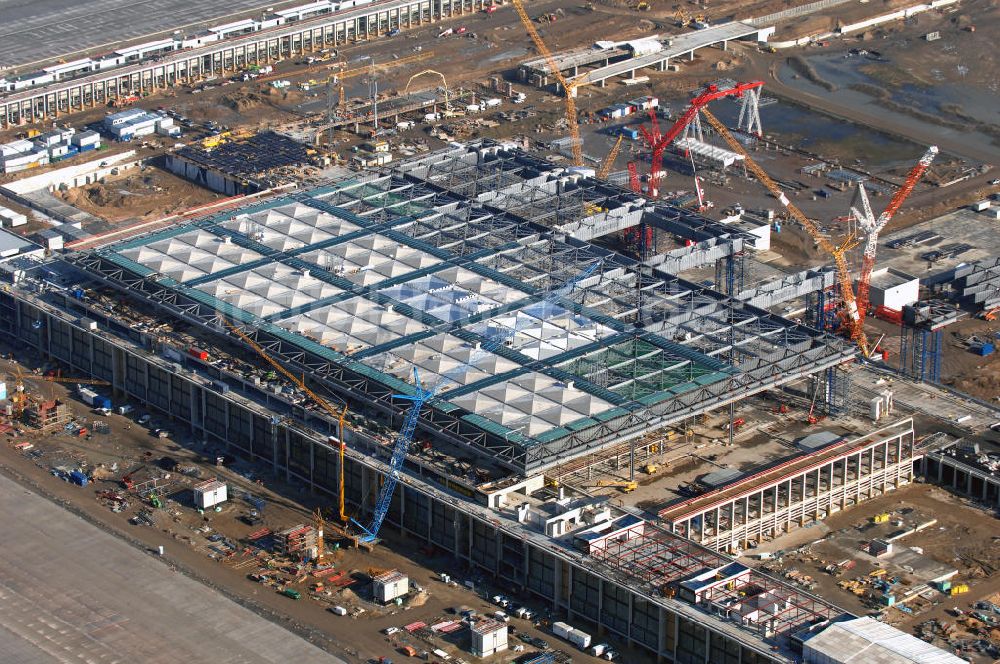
<point>42,30</point>
<point>70,591</point>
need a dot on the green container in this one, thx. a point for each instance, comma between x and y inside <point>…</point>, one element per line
<point>290,592</point>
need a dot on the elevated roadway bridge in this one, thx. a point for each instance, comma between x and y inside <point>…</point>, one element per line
<point>617,64</point>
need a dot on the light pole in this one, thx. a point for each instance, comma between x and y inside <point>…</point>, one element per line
<point>373,90</point>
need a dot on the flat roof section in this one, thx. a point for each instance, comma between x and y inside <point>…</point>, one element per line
<point>46,29</point>
<point>539,346</point>
<point>769,476</point>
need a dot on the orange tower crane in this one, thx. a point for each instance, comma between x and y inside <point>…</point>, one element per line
<point>320,401</point>
<point>569,87</point>
<point>839,253</point>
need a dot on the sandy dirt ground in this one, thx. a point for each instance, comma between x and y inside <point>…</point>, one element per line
<point>185,534</point>
<point>138,195</point>
<point>963,538</point>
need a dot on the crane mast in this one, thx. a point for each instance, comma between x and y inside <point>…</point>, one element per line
<point>659,143</point>
<point>569,87</point>
<point>609,161</point>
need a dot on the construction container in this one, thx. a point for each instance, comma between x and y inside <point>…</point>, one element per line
<point>561,629</point>
<point>629,133</point>
<point>198,353</point>
<point>579,638</point>
<point>339,610</point>
<point>78,478</point>
<point>389,586</point>
<point>958,589</point>
<point>209,494</point>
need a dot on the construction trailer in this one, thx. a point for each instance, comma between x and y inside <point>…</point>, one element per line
<point>389,586</point>
<point>356,282</point>
<point>488,637</point>
<point>210,493</point>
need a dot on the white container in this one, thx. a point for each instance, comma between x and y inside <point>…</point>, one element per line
<point>599,649</point>
<point>492,102</point>
<point>88,396</point>
<point>579,638</point>
<point>339,610</point>
<point>561,629</point>
<point>209,494</point>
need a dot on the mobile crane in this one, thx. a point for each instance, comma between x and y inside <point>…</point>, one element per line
<point>839,253</point>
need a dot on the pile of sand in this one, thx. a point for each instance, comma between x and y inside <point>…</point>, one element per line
<point>242,101</point>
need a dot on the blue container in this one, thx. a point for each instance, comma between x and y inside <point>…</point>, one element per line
<point>76,477</point>
<point>629,132</point>
<point>984,349</point>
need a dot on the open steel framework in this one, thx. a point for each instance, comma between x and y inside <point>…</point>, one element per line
<point>659,349</point>
<point>661,562</point>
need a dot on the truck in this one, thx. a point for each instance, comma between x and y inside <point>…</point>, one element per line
<point>102,403</point>
<point>88,395</point>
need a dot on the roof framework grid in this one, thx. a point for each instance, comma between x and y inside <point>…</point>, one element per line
<point>394,270</point>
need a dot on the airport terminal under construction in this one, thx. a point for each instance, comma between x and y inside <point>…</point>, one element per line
<point>548,359</point>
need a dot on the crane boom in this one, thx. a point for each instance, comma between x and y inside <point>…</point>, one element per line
<point>659,143</point>
<point>447,103</point>
<point>609,161</point>
<point>871,242</point>
<point>839,253</point>
<point>568,87</point>
<point>422,395</point>
<point>341,416</point>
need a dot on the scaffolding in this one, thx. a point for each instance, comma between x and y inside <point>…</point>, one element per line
<point>921,340</point>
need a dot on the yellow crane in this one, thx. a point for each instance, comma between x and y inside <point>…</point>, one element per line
<point>609,161</point>
<point>839,253</point>
<point>569,87</point>
<point>320,401</point>
<point>447,102</point>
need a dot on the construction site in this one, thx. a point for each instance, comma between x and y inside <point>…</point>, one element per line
<point>485,331</point>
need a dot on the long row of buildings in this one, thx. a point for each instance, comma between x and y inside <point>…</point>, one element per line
<point>140,69</point>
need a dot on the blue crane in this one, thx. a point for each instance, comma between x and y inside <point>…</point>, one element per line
<point>422,396</point>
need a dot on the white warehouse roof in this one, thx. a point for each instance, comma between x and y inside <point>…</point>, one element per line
<point>700,148</point>
<point>868,641</point>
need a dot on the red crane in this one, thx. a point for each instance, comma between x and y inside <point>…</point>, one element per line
<point>659,144</point>
<point>874,227</point>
